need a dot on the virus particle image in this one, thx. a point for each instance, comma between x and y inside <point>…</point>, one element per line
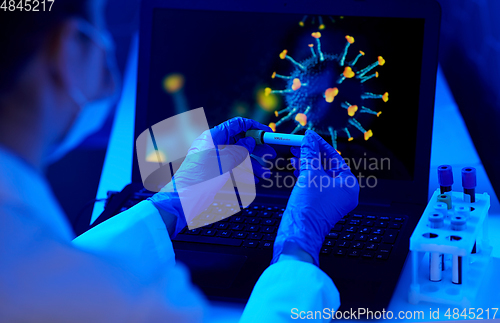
<point>321,20</point>
<point>173,84</point>
<point>325,92</point>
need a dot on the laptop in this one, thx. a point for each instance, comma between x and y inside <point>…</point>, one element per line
<point>242,59</point>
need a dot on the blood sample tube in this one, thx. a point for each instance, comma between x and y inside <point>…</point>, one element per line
<point>469,184</point>
<point>445,178</point>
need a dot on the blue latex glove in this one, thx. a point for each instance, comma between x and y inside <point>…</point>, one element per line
<point>233,132</point>
<point>319,199</point>
<point>203,163</point>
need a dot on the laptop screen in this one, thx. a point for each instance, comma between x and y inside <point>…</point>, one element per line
<point>354,80</point>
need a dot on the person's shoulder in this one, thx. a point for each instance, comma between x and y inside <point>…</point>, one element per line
<point>20,229</point>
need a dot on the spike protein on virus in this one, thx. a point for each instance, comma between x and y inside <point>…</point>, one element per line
<point>325,92</point>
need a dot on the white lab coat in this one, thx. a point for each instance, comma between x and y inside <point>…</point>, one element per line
<point>120,271</point>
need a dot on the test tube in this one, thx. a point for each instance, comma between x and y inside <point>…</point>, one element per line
<point>445,178</point>
<point>262,137</point>
<point>441,207</point>
<point>458,223</point>
<point>436,259</point>
<point>445,198</point>
<point>436,220</point>
<point>465,212</point>
<point>469,184</point>
<point>436,266</point>
<point>456,265</point>
<point>462,211</point>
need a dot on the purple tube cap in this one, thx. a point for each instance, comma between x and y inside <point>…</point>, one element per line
<point>469,177</point>
<point>445,175</point>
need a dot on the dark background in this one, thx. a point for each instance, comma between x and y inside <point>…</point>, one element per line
<point>469,56</point>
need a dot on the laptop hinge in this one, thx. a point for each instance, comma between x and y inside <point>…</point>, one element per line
<point>377,202</point>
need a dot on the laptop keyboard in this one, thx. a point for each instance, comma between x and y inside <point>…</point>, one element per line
<point>365,236</point>
<point>254,227</point>
<point>354,236</point>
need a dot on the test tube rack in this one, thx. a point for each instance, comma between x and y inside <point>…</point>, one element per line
<point>462,232</point>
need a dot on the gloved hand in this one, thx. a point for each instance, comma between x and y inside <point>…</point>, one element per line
<point>205,169</point>
<point>319,199</point>
<point>233,131</point>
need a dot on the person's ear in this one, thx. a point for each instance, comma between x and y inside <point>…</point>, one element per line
<point>63,54</point>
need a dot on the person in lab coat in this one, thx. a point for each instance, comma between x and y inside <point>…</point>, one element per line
<point>57,80</point>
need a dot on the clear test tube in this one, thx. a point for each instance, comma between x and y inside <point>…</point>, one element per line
<point>458,223</point>
<point>464,211</point>
<point>262,137</point>
<point>457,270</point>
<point>442,208</point>
<point>436,259</point>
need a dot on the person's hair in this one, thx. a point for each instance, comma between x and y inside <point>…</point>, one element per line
<point>22,33</point>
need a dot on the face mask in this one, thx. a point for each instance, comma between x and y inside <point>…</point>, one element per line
<point>92,114</point>
<point>90,120</point>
